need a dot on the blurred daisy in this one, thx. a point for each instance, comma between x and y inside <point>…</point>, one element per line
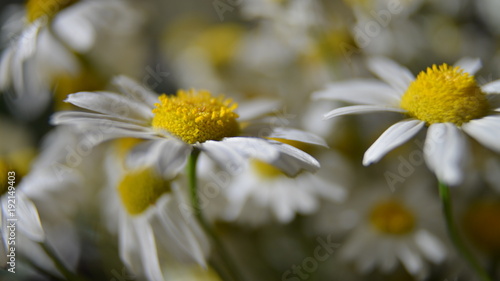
<point>262,193</point>
<point>446,99</point>
<point>49,40</point>
<point>191,120</point>
<point>390,229</point>
<point>145,211</point>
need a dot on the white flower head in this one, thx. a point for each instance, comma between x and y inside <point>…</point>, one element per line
<point>446,99</point>
<point>178,124</point>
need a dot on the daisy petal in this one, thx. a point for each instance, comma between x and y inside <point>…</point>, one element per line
<point>410,259</point>
<point>431,247</point>
<point>256,108</point>
<point>112,104</point>
<point>75,30</point>
<point>30,221</point>
<point>167,155</point>
<point>296,135</point>
<point>397,76</point>
<point>491,87</point>
<point>101,121</point>
<point>148,252</point>
<point>135,91</point>
<point>358,109</point>
<point>359,91</point>
<point>469,65</point>
<point>444,151</point>
<point>485,130</point>
<point>393,137</point>
<point>128,243</point>
<point>293,160</point>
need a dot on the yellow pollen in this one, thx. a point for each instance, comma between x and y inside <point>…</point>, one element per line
<point>140,189</point>
<point>482,225</point>
<point>265,170</point>
<point>196,116</point>
<point>45,8</point>
<point>391,217</point>
<point>445,94</point>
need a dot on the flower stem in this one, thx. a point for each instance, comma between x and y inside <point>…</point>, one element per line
<point>444,193</point>
<point>230,268</point>
<point>68,274</point>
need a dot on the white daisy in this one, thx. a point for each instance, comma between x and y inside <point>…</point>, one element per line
<point>191,120</point>
<point>443,98</point>
<point>49,39</point>
<point>262,193</point>
<point>385,230</point>
<point>145,211</point>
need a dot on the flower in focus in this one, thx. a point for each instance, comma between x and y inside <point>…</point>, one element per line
<point>146,212</point>
<point>176,125</point>
<point>446,99</point>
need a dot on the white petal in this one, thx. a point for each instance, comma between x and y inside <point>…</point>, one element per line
<point>256,108</point>
<point>5,68</point>
<point>148,252</point>
<point>430,246</point>
<point>393,137</point>
<point>128,246</point>
<point>232,154</point>
<point>411,261</point>
<point>397,76</point>
<point>102,121</point>
<point>469,65</point>
<point>358,109</point>
<point>485,130</point>
<point>135,91</point>
<point>112,104</point>
<point>292,160</point>
<point>28,40</point>
<point>29,220</point>
<point>491,87</point>
<point>167,155</point>
<point>444,151</point>
<point>360,91</point>
<point>297,135</point>
<point>74,29</point>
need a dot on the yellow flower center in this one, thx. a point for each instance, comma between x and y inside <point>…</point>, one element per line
<point>140,189</point>
<point>445,94</point>
<point>196,116</point>
<point>45,8</point>
<point>482,225</point>
<point>392,217</point>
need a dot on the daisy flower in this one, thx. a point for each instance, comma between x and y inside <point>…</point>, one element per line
<point>262,193</point>
<point>52,40</point>
<point>144,210</point>
<point>445,99</point>
<point>176,125</point>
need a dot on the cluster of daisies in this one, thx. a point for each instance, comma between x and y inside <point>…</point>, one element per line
<point>247,140</point>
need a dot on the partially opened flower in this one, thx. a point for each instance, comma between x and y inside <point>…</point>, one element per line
<point>191,120</point>
<point>446,99</point>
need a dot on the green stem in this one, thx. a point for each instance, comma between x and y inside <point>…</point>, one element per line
<point>68,274</point>
<point>195,201</point>
<point>444,193</point>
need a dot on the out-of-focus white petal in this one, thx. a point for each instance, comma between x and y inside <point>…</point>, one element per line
<point>399,77</point>
<point>359,109</point>
<point>360,91</point>
<point>296,135</point>
<point>75,29</point>
<point>469,65</point>
<point>135,90</point>
<point>491,87</point>
<point>29,221</point>
<point>393,137</point>
<point>147,250</point>
<point>411,260</point>
<point>292,160</point>
<point>431,247</point>
<point>444,151</point>
<point>256,108</point>
<point>485,130</point>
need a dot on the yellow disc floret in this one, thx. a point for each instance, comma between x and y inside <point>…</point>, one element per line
<point>36,9</point>
<point>140,189</point>
<point>196,116</point>
<point>445,94</point>
<point>265,170</point>
<point>482,224</point>
<point>392,217</point>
